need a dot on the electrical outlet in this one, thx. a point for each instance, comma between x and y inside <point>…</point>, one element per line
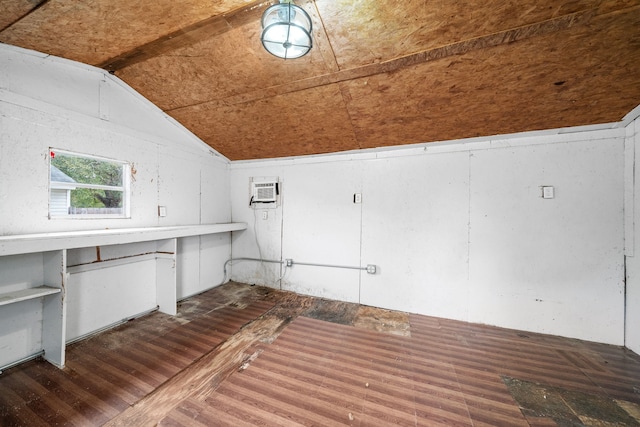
<point>357,198</point>
<point>265,214</point>
<point>548,192</point>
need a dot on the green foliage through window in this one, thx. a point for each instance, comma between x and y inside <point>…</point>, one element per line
<point>93,183</point>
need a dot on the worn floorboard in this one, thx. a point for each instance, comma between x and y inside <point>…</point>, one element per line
<point>241,355</point>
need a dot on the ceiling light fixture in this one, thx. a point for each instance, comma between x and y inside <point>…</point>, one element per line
<point>286,30</point>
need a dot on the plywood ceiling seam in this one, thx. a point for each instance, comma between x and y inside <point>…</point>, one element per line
<point>323,43</point>
<point>613,12</point>
<point>605,8</point>
<point>346,99</point>
<point>211,27</point>
<point>504,37</point>
<point>29,12</point>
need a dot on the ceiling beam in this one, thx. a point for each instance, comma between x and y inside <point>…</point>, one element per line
<point>36,6</point>
<point>207,28</point>
<point>322,41</point>
<point>459,48</point>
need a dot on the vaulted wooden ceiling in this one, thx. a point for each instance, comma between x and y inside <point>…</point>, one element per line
<point>381,72</point>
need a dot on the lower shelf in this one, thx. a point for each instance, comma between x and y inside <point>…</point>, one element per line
<point>27,294</point>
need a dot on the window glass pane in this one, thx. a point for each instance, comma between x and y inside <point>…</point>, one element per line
<point>85,170</point>
<point>87,186</point>
<point>92,198</point>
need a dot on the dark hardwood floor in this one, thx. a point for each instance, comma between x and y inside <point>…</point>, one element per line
<point>240,355</point>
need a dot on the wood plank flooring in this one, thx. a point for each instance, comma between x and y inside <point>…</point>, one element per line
<point>242,356</point>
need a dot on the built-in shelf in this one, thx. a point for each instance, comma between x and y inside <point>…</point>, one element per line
<point>27,294</point>
<point>56,272</point>
<point>43,242</point>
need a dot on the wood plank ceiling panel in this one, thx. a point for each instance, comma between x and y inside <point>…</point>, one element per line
<point>226,65</point>
<point>93,31</point>
<point>545,82</point>
<point>216,68</point>
<point>189,35</point>
<point>363,31</point>
<point>558,79</point>
<point>297,123</point>
<point>13,10</point>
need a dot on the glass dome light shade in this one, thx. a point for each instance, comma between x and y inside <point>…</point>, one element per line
<point>286,31</point>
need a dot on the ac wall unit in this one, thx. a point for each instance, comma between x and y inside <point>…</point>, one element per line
<point>264,192</point>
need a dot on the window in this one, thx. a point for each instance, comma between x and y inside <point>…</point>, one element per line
<point>87,186</point>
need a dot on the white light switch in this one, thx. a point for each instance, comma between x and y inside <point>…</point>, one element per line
<point>162,211</point>
<point>547,192</point>
<point>357,198</point>
<point>265,214</point>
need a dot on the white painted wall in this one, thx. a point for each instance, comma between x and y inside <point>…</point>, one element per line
<point>457,230</point>
<point>632,331</point>
<point>263,238</point>
<point>549,265</point>
<point>415,227</point>
<point>51,102</point>
<point>322,225</point>
<point>109,294</point>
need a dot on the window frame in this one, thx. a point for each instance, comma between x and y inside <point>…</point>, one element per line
<point>125,188</point>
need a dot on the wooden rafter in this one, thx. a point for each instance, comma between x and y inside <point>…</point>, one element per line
<point>211,27</point>
<point>37,6</point>
<point>496,39</point>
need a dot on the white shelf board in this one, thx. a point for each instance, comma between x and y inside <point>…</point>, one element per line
<point>44,242</point>
<point>27,294</point>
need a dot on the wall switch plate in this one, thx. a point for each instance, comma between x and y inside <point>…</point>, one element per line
<point>265,214</point>
<point>357,198</point>
<point>162,211</point>
<point>547,192</point>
